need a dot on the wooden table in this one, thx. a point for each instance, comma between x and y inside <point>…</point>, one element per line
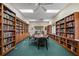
<point>41,40</point>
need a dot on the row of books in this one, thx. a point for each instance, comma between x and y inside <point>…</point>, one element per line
<point>17,31</point>
<point>70,24</point>
<point>62,26</point>
<point>57,30</point>
<point>62,34</point>
<point>62,30</point>
<point>6,48</point>
<point>70,42</point>
<point>20,30</point>
<point>70,36</point>
<point>64,40</point>
<point>6,27</point>
<point>70,18</point>
<point>8,40</point>
<point>73,43</point>
<point>74,49</point>
<point>57,26</point>
<point>17,24</point>
<point>8,17</point>
<point>70,30</point>
<point>58,34</point>
<point>17,27</point>
<point>11,22</point>
<point>5,21</point>
<point>8,34</point>
<point>9,12</point>
<point>10,27</point>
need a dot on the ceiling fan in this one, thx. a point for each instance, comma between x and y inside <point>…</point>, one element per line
<point>41,5</point>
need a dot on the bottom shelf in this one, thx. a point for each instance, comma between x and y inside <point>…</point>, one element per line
<point>8,50</point>
<point>68,46</point>
<point>71,46</point>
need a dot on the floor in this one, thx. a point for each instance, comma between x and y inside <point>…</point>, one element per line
<point>24,49</point>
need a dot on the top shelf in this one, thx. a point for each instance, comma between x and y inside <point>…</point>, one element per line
<point>9,14</point>
<point>8,9</point>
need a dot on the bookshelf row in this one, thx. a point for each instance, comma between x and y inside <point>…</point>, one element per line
<point>66,26</point>
<point>21,30</point>
<point>48,29</point>
<point>9,29</point>
<point>67,32</point>
<point>70,45</point>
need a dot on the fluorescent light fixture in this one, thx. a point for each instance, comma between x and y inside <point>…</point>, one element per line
<point>32,20</point>
<point>39,20</point>
<point>52,11</point>
<point>46,20</point>
<point>26,10</point>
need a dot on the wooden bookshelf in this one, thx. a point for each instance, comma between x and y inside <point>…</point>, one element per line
<point>21,30</point>
<point>7,29</point>
<point>67,32</point>
<point>12,29</point>
<point>49,29</point>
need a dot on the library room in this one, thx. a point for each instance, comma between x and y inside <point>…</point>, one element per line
<point>39,29</point>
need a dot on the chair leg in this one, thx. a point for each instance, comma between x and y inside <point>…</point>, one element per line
<point>46,45</point>
<point>38,46</point>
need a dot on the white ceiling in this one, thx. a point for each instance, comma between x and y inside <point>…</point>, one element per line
<point>39,13</point>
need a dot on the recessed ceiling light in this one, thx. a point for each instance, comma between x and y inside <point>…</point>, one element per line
<point>26,10</point>
<point>52,11</point>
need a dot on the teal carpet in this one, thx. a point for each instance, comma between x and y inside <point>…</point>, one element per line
<point>24,49</point>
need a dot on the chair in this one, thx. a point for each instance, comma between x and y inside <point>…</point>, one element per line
<point>32,41</point>
<point>42,42</point>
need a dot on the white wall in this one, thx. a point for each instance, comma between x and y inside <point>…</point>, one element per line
<point>67,11</point>
<point>32,24</point>
<point>53,29</point>
<point>71,8</point>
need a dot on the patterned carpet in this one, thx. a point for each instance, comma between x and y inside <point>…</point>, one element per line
<point>24,49</point>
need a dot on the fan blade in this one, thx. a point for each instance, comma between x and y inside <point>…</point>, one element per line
<point>46,3</point>
<point>43,8</point>
<point>36,8</point>
<point>43,4</point>
<point>37,5</point>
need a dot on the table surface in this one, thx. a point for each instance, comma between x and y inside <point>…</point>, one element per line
<point>41,35</point>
